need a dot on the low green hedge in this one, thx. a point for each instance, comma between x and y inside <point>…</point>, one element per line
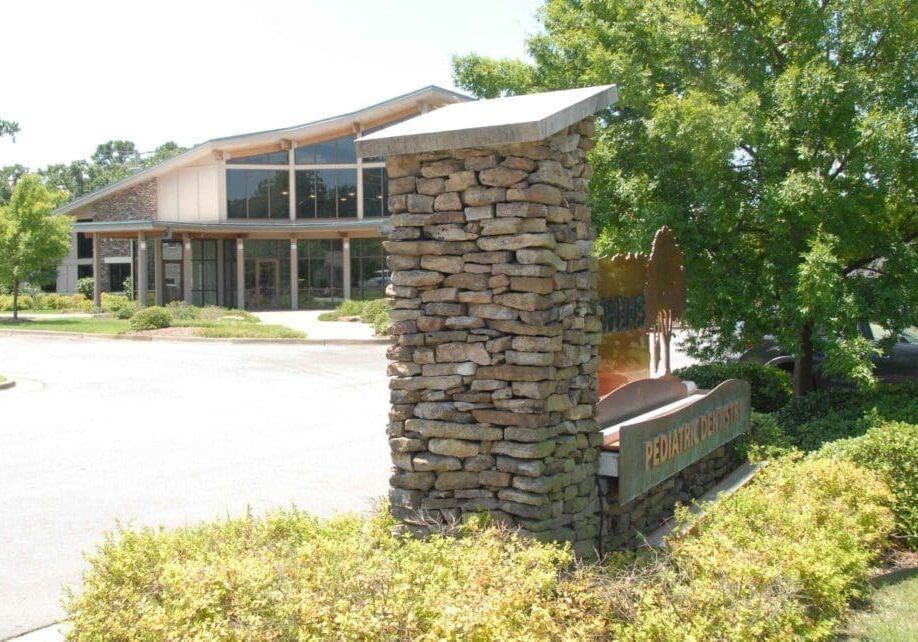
<point>891,449</point>
<point>780,559</point>
<point>373,311</point>
<point>771,387</point>
<point>151,319</point>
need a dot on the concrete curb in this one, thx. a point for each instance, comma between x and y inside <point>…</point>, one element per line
<point>9,383</point>
<point>51,633</point>
<point>148,338</point>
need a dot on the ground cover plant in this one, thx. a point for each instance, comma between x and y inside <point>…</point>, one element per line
<point>373,311</point>
<point>289,575</point>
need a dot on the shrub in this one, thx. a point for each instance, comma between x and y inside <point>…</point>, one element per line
<point>374,311</point>
<point>85,286</point>
<point>290,576</point>
<point>890,449</point>
<point>127,311</point>
<point>779,559</point>
<point>114,302</point>
<point>826,415</point>
<point>52,301</point>
<point>771,387</point>
<point>181,311</point>
<point>151,319</point>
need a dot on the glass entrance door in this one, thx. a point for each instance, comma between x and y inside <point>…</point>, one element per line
<point>173,279</point>
<point>267,282</point>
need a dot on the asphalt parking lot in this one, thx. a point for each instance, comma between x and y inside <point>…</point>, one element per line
<point>171,433</point>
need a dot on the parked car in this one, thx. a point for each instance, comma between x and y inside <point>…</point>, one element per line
<point>897,365</point>
<point>379,279</point>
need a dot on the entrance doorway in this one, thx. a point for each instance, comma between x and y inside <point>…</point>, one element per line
<point>267,282</point>
<point>173,277</point>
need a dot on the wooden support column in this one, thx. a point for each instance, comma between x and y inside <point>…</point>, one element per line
<point>240,274</point>
<point>96,272</point>
<point>158,271</point>
<point>141,283</point>
<point>294,276</point>
<point>187,281</point>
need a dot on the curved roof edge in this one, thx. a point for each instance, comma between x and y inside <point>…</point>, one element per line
<point>202,150</point>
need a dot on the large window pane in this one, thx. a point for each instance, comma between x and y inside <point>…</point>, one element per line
<point>267,275</point>
<point>369,275</point>
<point>347,150</point>
<point>305,193</point>
<point>258,194</point>
<point>274,158</point>
<point>330,152</point>
<point>204,272</point>
<point>326,193</point>
<point>84,245</point>
<point>347,193</point>
<point>320,272</point>
<point>375,186</point>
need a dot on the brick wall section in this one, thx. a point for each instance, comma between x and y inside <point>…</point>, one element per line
<point>494,334</point>
<point>626,526</point>
<point>133,203</point>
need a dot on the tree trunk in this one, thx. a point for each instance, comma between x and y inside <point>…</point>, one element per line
<point>15,300</point>
<point>803,364</point>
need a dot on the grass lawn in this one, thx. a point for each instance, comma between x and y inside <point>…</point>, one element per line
<point>893,611</point>
<point>71,324</point>
<point>245,330</point>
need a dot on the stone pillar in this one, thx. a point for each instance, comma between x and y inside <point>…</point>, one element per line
<point>96,272</point>
<point>495,334</point>
<point>240,274</point>
<point>141,284</point>
<point>294,276</point>
<point>187,276</point>
<point>158,271</point>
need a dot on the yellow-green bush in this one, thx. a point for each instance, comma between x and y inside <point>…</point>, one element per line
<point>290,576</point>
<point>890,449</point>
<point>778,560</point>
<point>47,301</point>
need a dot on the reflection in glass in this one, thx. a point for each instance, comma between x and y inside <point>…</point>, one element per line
<point>273,158</point>
<point>330,152</point>
<point>257,193</point>
<point>267,275</point>
<point>375,192</point>
<point>320,271</point>
<point>369,275</point>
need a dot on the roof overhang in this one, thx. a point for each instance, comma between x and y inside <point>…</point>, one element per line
<point>499,121</point>
<point>331,227</point>
<point>430,97</point>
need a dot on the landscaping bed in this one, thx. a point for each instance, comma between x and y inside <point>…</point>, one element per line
<point>784,557</point>
<point>374,311</point>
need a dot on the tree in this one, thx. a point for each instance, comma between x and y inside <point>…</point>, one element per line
<point>32,242</point>
<point>778,139</point>
<point>8,177</point>
<point>8,128</point>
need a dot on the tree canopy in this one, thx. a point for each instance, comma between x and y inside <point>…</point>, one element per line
<point>778,139</point>
<point>8,128</point>
<point>32,242</point>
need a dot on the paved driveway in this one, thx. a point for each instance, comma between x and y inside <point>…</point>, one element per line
<point>171,433</point>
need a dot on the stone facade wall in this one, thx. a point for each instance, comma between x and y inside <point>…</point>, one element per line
<point>495,334</point>
<point>625,526</point>
<point>133,203</point>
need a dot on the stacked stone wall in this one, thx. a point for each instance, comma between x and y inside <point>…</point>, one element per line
<point>134,203</point>
<point>495,337</point>
<point>627,526</point>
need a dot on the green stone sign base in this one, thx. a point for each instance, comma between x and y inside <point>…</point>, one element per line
<point>654,450</point>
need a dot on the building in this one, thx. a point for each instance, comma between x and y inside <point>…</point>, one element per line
<point>288,218</point>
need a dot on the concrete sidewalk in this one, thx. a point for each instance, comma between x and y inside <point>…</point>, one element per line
<point>308,321</point>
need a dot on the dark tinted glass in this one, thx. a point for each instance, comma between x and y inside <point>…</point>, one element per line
<point>347,193</point>
<point>274,158</point>
<point>257,193</point>
<point>374,192</point>
<point>326,193</point>
<point>305,193</point>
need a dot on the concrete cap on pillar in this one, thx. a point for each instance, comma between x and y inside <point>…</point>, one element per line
<point>498,121</point>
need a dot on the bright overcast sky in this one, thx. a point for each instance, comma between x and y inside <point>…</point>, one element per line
<point>76,74</point>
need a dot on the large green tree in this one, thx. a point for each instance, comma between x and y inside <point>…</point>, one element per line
<point>8,128</point>
<point>777,138</point>
<point>32,242</point>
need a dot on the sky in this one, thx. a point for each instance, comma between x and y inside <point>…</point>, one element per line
<point>76,74</point>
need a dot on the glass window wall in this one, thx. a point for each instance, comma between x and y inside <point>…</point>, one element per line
<point>326,193</point>
<point>340,151</point>
<point>204,272</point>
<point>369,275</point>
<point>229,274</point>
<point>273,158</point>
<point>320,273</point>
<point>267,275</point>
<point>375,192</point>
<point>258,194</point>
